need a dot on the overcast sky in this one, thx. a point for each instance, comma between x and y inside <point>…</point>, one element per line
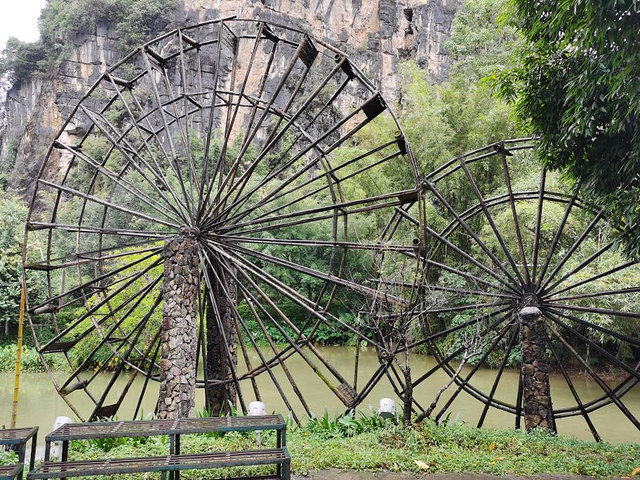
<point>19,18</point>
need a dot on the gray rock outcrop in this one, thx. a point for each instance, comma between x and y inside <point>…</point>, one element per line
<point>376,34</point>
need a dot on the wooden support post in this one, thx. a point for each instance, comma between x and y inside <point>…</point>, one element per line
<point>179,317</point>
<point>538,410</point>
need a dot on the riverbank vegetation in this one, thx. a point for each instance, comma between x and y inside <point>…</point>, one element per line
<point>370,443</point>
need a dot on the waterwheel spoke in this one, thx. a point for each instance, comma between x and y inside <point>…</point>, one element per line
<point>106,338</point>
<point>238,186</point>
<point>463,308</point>
<point>304,195</point>
<point>50,303</point>
<point>319,213</point>
<point>241,198</point>
<point>373,247</point>
<point>496,381</point>
<point>572,389</point>
<point>552,299</point>
<point>211,278</point>
<point>308,305</point>
<point>442,360</point>
<point>605,388</point>
<point>353,286</point>
<point>157,181</point>
<point>442,238</point>
<point>207,185</point>
<point>164,208</point>
<point>116,232</point>
<point>231,120</point>
<point>129,152</point>
<point>538,226</point>
<point>96,415</point>
<point>600,311</point>
<point>105,203</point>
<point>557,235</point>
<point>315,142</point>
<point>619,336</point>
<point>284,113</point>
<point>444,241</point>
<point>475,281</point>
<point>572,250</point>
<point>463,383</point>
<point>92,256</point>
<point>266,364</point>
<point>598,276</point>
<point>173,154</point>
<point>278,357</point>
<point>267,299</point>
<point>104,302</point>
<point>514,213</point>
<point>471,233</point>
<point>286,193</point>
<point>572,332</point>
<point>436,288</point>
<point>489,217</point>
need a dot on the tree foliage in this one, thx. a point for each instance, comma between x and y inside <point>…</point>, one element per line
<point>12,215</point>
<point>481,43</point>
<point>577,87</point>
<point>134,21</point>
<point>19,60</point>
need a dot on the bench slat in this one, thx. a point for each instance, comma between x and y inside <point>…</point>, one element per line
<point>9,472</point>
<point>279,456</point>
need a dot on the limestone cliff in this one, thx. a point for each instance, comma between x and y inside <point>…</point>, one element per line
<point>376,34</point>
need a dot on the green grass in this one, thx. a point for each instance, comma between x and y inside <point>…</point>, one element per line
<point>382,445</point>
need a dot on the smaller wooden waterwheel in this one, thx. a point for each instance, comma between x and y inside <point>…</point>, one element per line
<point>206,216</point>
<point>520,273</point>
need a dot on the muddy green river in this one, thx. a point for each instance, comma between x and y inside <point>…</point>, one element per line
<point>40,404</point>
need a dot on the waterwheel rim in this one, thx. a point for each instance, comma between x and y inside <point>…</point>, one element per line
<point>231,133</point>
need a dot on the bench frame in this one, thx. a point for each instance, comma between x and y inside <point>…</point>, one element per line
<point>174,462</point>
<point>16,439</point>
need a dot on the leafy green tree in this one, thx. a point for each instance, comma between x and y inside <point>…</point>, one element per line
<point>481,42</point>
<point>13,212</point>
<point>577,87</point>
<point>19,60</point>
<point>135,21</point>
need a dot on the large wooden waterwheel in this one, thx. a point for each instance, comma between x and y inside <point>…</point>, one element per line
<point>206,215</point>
<point>525,282</point>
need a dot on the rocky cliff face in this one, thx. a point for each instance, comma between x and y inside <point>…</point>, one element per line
<point>375,34</point>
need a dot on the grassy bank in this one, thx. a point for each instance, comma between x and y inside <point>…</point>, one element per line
<point>30,359</point>
<point>369,444</point>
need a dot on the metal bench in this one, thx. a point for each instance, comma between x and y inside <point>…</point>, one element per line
<point>167,464</point>
<point>16,439</point>
<point>9,472</point>
<point>173,463</point>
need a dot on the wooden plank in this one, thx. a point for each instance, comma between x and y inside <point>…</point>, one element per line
<point>9,472</point>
